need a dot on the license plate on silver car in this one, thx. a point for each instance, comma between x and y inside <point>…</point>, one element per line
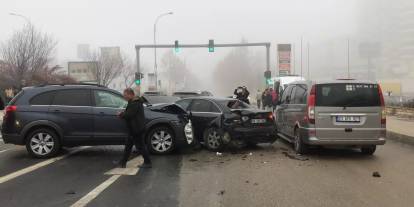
<point>348,119</point>
<point>258,121</point>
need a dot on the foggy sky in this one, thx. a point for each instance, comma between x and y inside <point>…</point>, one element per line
<point>128,22</point>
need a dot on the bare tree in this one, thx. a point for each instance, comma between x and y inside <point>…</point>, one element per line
<point>128,73</point>
<point>27,52</point>
<point>108,67</point>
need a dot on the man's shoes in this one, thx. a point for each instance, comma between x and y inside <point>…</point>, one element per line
<point>145,165</point>
<point>122,164</point>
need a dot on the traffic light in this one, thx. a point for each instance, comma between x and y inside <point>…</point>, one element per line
<point>268,76</point>
<point>176,48</point>
<point>211,46</point>
<point>138,77</point>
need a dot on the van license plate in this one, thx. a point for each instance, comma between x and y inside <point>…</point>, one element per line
<point>258,121</point>
<point>348,119</point>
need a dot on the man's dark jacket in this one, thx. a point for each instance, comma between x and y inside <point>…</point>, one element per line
<point>134,115</point>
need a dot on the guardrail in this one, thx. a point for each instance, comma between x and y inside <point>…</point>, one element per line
<point>400,111</point>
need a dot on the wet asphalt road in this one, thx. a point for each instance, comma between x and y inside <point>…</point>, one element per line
<point>258,176</point>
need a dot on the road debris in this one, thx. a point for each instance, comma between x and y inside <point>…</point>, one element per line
<point>250,154</point>
<point>219,154</point>
<point>247,181</point>
<point>71,192</point>
<point>295,156</point>
<point>193,160</point>
<point>376,174</point>
<point>222,192</point>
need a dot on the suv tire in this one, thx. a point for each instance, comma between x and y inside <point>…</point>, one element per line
<point>212,139</point>
<point>161,140</point>
<point>43,143</point>
<point>368,150</point>
<point>298,145</point>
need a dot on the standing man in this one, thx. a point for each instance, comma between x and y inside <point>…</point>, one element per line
<point>135,118</point>
<point>259,99</point>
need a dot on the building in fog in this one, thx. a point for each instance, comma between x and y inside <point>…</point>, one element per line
<point>390,25</point>
<point>84,72</point>
<point>83,51</point>
<point>111,52</point>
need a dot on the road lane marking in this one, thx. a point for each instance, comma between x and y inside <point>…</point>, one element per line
<point>1,151</point>
<point>95,192</point>
<point>26,170</point>
<point>131,169</point>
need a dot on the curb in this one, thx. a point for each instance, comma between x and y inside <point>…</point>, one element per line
<point>400,138</point>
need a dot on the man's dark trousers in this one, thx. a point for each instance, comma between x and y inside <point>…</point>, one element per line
<point>139,142</point>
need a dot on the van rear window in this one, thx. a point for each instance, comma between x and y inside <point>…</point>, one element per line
<point>347,95</point>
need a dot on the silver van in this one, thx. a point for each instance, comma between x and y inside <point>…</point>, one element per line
<point>336,113</point>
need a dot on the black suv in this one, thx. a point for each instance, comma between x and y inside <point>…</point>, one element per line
<point>45,118</point>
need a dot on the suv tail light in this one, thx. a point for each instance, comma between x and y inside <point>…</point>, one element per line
<point>383,111</point>
<point>9,110</point>
<point>310,116</point>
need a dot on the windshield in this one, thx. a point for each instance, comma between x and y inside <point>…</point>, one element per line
<point>347,95</point>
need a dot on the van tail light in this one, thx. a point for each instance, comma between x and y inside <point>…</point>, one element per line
<point>383,111</point>
<point>310,115</point>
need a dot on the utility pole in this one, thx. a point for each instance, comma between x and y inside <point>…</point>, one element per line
<point>349,75</point>
<point>308,60</point>
<point>293,58</point>
<point>155,48</point>
<point>301,56</point>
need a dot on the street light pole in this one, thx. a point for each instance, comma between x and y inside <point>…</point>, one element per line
<point>155,48</point>
<point>24,17</point>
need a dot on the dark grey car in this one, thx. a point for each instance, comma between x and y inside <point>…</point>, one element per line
<point>46,118</point>
<point>341,112</point>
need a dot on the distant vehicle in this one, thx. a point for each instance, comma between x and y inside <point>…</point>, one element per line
<point>152,99</point>
<point>152,93</point>
<point>341,112</point>
<point>221,121</point>
<point>49,117</point>
<point>188,94</point>
<point>280,83</point>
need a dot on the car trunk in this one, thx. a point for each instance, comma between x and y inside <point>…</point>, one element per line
<point>347,111</point>
<point>254,118</point>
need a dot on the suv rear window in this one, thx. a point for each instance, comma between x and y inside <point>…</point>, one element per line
<point>73,97</point>
<point>347,95</point>
<point>43,98</point>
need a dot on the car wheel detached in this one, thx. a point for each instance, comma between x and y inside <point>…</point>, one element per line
<point>298,144</point>
<point>212,139</point>
<point>161,140</point>
<point>43,143</point>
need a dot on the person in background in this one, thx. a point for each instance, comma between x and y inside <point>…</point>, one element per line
<point>259,99</point>
<point>269,100</point>
<point>264,103</point>
<point>135,118</point>
<point>275,99</point>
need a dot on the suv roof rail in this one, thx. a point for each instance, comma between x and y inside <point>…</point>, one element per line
<point>71,84</point>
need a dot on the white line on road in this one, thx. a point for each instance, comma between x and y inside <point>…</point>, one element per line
<point>95,192</point>
<point>1,151</point>
<point>16,174</point>
<point>131,169</point>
